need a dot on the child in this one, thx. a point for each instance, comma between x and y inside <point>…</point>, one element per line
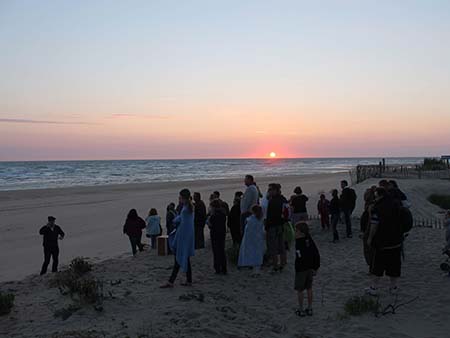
<point>335,214</point>
<point>323,207</point>
<point>307,262</point>
<point>153,227</point>
<point>251,252</point>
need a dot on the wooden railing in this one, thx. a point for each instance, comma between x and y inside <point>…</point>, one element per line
<point>364,172</point>
<point>419,222</point>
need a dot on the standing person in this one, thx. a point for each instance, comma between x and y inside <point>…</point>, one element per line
<point>153,227</point>
<point>307,262</point>
<point>234,219</point>
<point>274,228</point>
<point>386,238</point>
<point>51,233</point>
<point>217,227</point>
<point>183,244</point>
<point>265,202</point>
<point>298,206</point>
<point>199,221</point>
<point>133,228</point>
<point>170,216</point>
<point>223,204</point>
<point>398,195</point>
<point>369,201</point>
<point>347,203</point>
<point>323,207</point>
<point>251,252</point>
<point>249,199</point>
<point>335,213</point>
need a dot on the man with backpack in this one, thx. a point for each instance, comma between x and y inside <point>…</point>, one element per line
<point>388,224</point>
<point>347,203</point>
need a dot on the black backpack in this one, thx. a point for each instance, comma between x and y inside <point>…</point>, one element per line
<point>405,219</point>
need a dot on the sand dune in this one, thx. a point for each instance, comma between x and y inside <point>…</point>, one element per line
<point>239,305</point>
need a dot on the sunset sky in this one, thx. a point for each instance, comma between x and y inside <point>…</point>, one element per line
<point>223,79</point>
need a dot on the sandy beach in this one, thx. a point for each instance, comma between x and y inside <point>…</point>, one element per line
<point>236,305</point>
<point>92,217</point>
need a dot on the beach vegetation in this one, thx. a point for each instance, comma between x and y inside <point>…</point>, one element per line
<point>80,266</point>
<point>360,305</point>
<point>6,303</point>
<point>442,201</point>
<point>433,164</point>
<point>74,282</point>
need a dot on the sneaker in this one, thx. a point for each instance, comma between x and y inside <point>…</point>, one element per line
<point>300,313</point>
<point>371,291</point>
<point>309,312</point>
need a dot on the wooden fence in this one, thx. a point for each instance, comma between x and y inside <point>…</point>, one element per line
<point>364,172</point>
<point>419,222</point>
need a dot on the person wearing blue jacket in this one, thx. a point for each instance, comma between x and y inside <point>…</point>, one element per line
<point>183,242</point>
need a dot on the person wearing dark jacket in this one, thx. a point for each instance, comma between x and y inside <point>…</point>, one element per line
<point>133,228</point>
<point>323,208</point>
<point>234,219</point>
<point>307,262</point>
<point>51,233</point>
<point>385,238</point>
<point>347,205</point>
<point>217,227</point>
<point>199,221</point>
<point>223,204</point>
<point>274,227</point>
<point>335,212</point>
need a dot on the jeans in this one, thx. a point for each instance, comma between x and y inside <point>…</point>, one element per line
<point>135,241</point>
<point>325,220</point>
<point>348,221</point>
<point>220,259</point>
<point>334,223</point>
<point>199,236</point>
<point>153,241</point>
<point>53,252</point>
<point>176,268</point>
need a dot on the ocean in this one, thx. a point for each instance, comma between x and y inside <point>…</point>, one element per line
<point>56,174</point>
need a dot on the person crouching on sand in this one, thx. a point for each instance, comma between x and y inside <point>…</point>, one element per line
<point>217,227</point>
<point>153,227</point>
<point>307,262</point>
<point>133,228</point>
<point>251,252</point>
<point>183,243</point>
<point>51,233</point>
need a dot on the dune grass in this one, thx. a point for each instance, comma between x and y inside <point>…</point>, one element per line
<point>442,201</point>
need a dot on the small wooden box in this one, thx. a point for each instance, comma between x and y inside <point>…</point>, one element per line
<point>161,245</point>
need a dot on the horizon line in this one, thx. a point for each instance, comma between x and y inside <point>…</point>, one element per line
<point>218,158</point>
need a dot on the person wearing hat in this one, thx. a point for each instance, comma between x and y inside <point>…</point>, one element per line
<point>51,233</point>
<point>183,243</point>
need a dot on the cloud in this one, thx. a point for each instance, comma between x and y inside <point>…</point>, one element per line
<point>29,121</point>
<point>135,116</point>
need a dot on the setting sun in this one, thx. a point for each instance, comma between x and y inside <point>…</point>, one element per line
<point>272,155</point>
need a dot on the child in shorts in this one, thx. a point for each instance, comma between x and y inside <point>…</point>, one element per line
<point>307,262</point>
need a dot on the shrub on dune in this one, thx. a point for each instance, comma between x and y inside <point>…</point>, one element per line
<point>6,303</point>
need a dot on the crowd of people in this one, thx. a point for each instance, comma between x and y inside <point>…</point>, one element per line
<point>264,227</point>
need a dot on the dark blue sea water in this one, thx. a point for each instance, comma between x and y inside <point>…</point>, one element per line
<point>34,175</point>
